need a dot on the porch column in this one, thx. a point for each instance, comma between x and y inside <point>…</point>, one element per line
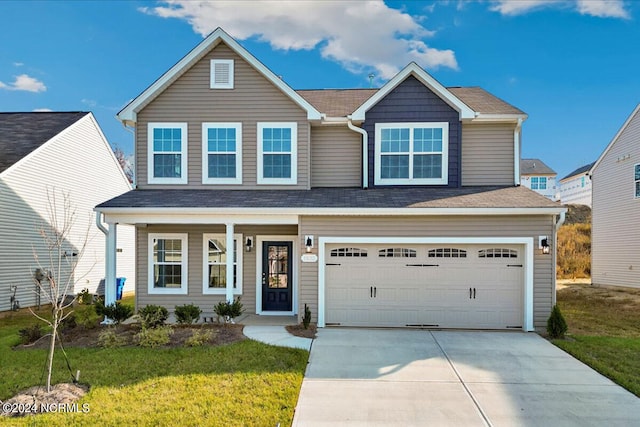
<point>230,259</point>
<point>110,265</point>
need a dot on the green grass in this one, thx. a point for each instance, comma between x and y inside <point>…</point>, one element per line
<point>604,331</point>
<point>246,383</point>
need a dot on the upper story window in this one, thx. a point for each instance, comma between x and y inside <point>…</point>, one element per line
<point>215,264</point>
<point>277,153</point>
<point>538,182</point>
<point>222,74</point>
<point>412,153</point>
<point>637,179</point>
<point>168,263</point>
<point>167,153</point>
<point>222,153</point>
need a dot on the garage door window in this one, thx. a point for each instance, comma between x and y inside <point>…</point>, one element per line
<point>349,252</point>
<point>397,253</point>
<point>497,253</point>
<point>447,253</point>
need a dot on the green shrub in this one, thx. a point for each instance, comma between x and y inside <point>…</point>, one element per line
<point>153,316</point>
<point>117,312</point>
<point>31,334</point>
<point>187,314</point>
<point>556,325</point>
<point>306,320</point>
<point>110,339</point>
<point>153,337</point>
<point>86,316</point>
<point>69,322</point>
<point>199,338</point>
<point>229,311</point>
<point>85,297</point>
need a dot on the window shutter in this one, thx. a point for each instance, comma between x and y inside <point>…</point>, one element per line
<point>221,74</point>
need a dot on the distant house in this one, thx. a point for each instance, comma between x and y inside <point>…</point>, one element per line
<point>575,188</point>
<point>615,236</point>
<point>534,174</point>
<point>54,152</point>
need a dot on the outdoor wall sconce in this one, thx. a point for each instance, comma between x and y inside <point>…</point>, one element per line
<point>308,242</point>
<point>69,254</point>
<point>543,244</point>
<point>249,244</point>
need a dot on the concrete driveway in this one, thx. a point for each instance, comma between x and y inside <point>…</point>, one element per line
<point>376,377</point>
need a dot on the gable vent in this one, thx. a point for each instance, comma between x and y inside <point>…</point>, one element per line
<point>222,74</point>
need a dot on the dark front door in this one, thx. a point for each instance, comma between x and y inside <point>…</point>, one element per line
<point>277,279</point>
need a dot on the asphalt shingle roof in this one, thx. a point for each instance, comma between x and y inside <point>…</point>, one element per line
<point>357,198</point>
<point>22,133</point>
<point>581,169</point>
<point>535,167</point>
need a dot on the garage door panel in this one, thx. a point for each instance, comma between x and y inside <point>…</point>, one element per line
<point>468,286</point>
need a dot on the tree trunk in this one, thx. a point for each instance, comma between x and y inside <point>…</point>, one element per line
<point>52,348</point>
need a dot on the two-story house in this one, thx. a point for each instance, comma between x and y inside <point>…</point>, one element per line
<point>575,188</point>
<point>397,206</point>
<point>539,177</point>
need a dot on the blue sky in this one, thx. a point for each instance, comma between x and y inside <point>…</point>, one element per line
<point>571,65</point>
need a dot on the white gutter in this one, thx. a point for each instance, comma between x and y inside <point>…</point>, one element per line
<point>365,151</point>
<point>516,152</point>
<point>99,223</point>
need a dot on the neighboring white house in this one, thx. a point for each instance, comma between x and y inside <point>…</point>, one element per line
<point>47,153</point>
<point>534,174</point>
<point>575,188</point>
<point>615,235</point>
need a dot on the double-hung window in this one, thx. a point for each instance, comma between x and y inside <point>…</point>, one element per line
<point>277,153</point>
<point>215,264</point>
<point>167,148</point>
<point>168,263</point>
<point>412,153</point>
<point>222,153</point>
<point>538,182</point>
<point>637,179</point>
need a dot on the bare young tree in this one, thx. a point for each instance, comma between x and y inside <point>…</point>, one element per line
<point>124,163</point>
<point>59,264</point>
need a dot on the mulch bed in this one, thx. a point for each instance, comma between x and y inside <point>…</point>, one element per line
<point>300,331</point>
<point>36,400</point>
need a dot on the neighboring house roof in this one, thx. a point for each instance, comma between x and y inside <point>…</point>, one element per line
<point>581,170</point>
<point>318,198</point>
<point>615,138</point>
<point>129,112</point>
<point>535,167</point>
<point>22,133</point>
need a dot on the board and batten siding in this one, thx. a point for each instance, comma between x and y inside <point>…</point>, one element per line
<point>436,226</point>
<point>411,101</point>
<point>336,157</point>
<point>615,245</point>
<point>487,154</point>
<point>253,99</point>
<point>78,161</point>
<point>195,265</point>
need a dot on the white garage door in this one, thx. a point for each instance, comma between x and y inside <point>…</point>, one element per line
<point>443,286</point>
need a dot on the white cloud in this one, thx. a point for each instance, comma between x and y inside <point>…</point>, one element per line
<point>357,34</point>
<point>597,8</point>
<point>18,64</point>
<point>26,83</point>
<point>89,102</point>
<point>42,110</point>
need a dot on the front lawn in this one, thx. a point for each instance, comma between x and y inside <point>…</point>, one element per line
<point>604,330</point>
<point>242,384</point>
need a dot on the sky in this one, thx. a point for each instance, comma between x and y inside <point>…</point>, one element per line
<point>571,65</point>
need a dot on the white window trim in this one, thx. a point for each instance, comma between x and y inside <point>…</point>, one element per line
<point>213,84</point>
<point>294,153</point>
<point>205,153</point>
<point>183,179</point>
<point>206,290</point>
<point>411,181</point>
<point>184,237</point>
<point>635,195</point>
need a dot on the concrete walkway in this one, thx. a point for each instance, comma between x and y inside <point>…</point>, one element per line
<point>382,377</point>
<point>276,335</point>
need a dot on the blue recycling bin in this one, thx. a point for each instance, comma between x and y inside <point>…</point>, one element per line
<point>119,287</point>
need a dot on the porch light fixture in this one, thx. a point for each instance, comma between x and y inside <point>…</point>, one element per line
<point>544,244</point>
<point>308,242</point>
<point>248,244</point>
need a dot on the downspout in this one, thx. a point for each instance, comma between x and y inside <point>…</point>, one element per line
<point>559,223</point>
<point>109,279</point>
<point>516,152</point>
<point>365,151</point>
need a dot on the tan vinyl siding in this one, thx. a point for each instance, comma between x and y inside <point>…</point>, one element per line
<point>190,100</point>
<point>616,213</point>
<point>79,162</point>
<point>336,157</point>
<point>487,154</point>
<point>195,265</point>
<point>521,226</point>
